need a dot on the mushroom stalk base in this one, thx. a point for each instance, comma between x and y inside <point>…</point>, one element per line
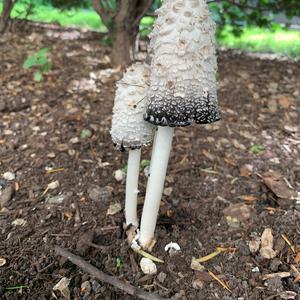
<point>155,185</point>
<point>132,178</point>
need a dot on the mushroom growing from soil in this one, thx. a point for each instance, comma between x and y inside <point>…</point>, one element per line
<point>182,89</point>
<point>129,131</point>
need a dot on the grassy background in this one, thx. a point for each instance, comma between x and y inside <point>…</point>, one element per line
<point>277,40</point>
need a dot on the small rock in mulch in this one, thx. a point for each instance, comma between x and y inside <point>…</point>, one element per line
<point>254,245</point>
<point>161,277</point>
<point>274,284</point>
<point>243,248</point>
<point>274,264</point>
<point>96,287</point>
<point>289,295</point>
<point>246,170</point>
<point>9,176</point>
<point>100,194</point>
<point>236,214</point>
<point>5,196</point>
<point>59,199</point>
<point>113,209</point>
<point>119,175</point>
<point>148,266</point>
<point>85,288</point>
<point>63,287</point>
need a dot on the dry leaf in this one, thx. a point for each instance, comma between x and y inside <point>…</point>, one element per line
<point>254,245</point>
<point>284,102</point>
<point>114,209</point>
<point>209,155</point>
<point>195,265</point>
<point>297,258</point>
<point>238,145</point>
<point>276,183</point>
<point>248,198</point>
<point>63,287</point>
<point>273,275</point>
<point>237,212</point>
<point>267,242</point>
<point>230,161</point>
<point>246,170</point>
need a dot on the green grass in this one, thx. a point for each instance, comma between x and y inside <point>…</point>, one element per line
<point>253,39</point>
<point>42,13</point>
<point>285,41</point>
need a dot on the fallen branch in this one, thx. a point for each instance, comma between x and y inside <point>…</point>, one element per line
<point>87,267</point>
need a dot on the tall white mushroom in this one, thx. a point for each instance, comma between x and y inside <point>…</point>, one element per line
<point>129,131</point>
<point>182,88</point>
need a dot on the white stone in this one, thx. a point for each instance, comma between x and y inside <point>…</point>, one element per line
<point>148,266</point>
<point>119,175</point>
<point>53,185</point>
<point>9,176</point>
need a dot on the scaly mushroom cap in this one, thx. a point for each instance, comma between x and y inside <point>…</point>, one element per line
<point>183,68</point>
<point>129,130</point>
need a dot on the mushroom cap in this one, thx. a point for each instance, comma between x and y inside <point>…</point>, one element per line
<point>183,67</point>
<point>129,130</point>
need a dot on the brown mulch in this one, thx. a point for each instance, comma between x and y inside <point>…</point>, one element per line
<point>58,130</point>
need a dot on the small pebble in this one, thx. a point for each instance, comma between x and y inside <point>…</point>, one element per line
<point>243,248</point>
<point>274,264</point>
<point>59,199</point>
<point>9,176</point>
<point>53,185</point>
<point>96,287</point>
<point>168,191</point>
<point>19,222</point>
<point>51,155</point>
<point>5,196</point>
<point>274,284</point>
<point>101,194</point>
<point>85,288</point>
<point>148,266</point>
<point>119,175</point>
<point>161,277</point>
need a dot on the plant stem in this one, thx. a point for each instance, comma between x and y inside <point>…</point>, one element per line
<point>132,178</point>
<point>155,185</point>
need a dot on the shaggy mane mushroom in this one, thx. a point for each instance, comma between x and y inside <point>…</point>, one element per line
<point>129,131</point>
<point>182,89</point>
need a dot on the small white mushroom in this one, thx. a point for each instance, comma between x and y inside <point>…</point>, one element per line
<point>182,88</point>
<point>129,131</point>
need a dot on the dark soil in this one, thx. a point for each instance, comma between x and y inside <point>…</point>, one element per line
<point>62,124</point>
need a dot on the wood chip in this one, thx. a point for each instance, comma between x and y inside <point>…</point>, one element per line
<point>273,275</point>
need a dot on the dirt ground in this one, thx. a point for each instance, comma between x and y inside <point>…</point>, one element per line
<point>227,184</point>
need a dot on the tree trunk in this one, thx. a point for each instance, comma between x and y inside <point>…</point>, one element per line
<point>5,16</point>
<point>123,26</point>
<point>123,42</point>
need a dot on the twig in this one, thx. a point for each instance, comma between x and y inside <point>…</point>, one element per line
<point>114,281</point>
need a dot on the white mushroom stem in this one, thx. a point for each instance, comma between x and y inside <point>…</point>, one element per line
<point>132,177</point>
<point>153,148</point>
<point>159,164</point>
